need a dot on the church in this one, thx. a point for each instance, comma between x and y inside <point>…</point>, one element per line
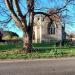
<point>46,31</point>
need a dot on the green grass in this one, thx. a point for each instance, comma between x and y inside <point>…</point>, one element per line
<point>42,45</point>
<point>13,51</point>
<point>9,47</point>
<point>16,54</point>
<point>19,46</point>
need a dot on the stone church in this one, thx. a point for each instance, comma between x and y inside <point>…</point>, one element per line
<point>46,31</point>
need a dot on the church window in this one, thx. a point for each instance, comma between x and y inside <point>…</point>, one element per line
<point>38,18</point>
<point>42,19</point>
<point>33,35</point>
<point>51,28</point>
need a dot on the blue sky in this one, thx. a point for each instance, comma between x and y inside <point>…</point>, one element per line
<point>40,4</point>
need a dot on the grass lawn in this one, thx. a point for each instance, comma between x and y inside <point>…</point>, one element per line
<point>13,51</point>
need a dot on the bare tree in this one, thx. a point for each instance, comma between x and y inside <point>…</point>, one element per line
<point>25,21</point>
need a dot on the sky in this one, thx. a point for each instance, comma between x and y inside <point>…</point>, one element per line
<point>70,26</point>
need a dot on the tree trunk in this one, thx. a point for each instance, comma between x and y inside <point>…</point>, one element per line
<point>27,42</point>
<point>27,46</point>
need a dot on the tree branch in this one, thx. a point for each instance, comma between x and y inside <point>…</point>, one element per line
<point>48,15</point>
<point>18,8</point>
<point>13,14</point>
<point>35,13</point>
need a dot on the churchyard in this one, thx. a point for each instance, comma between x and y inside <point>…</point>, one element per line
<point>40,50</point>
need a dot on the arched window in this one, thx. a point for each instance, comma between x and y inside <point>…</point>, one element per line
<point>33,35</point>
<point>51,28</point>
